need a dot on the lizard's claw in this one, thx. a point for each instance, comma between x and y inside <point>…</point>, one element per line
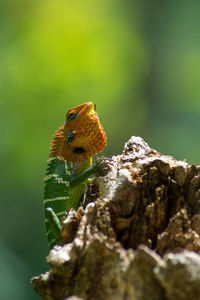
<point>102,166</point>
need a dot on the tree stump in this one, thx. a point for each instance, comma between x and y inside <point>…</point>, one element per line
<point>138,236</point>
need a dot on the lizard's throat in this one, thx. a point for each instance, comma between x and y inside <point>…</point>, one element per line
<point>75,154</point>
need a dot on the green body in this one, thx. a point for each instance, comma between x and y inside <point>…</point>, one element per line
<point>64,188</point>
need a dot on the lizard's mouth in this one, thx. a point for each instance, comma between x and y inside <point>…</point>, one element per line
<point>86,108</point>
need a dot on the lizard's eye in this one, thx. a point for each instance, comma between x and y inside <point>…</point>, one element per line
<point>72,116</point>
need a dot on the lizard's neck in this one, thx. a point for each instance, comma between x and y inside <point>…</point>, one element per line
<point>79,167</point>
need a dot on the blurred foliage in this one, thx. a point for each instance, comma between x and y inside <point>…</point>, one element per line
<point>139,61</point>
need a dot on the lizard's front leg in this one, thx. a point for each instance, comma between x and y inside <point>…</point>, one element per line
<point>101,168</point>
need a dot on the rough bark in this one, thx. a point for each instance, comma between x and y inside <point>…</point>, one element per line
<point>137,238</point>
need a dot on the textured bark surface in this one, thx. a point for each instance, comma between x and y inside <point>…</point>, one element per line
<point>137,238</point>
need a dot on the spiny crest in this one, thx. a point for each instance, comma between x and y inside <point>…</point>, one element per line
<point>57,142</point>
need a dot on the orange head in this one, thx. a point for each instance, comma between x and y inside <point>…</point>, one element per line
<point>82,135</point>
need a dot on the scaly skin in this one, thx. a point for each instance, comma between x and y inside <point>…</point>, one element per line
<point>74,144</point>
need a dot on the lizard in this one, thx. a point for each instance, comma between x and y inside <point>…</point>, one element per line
<point>70,165</point>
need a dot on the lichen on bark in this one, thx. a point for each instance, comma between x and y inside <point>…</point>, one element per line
<point>136,235</point>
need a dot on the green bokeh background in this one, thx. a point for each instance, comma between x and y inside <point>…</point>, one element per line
<point>138,61</point>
